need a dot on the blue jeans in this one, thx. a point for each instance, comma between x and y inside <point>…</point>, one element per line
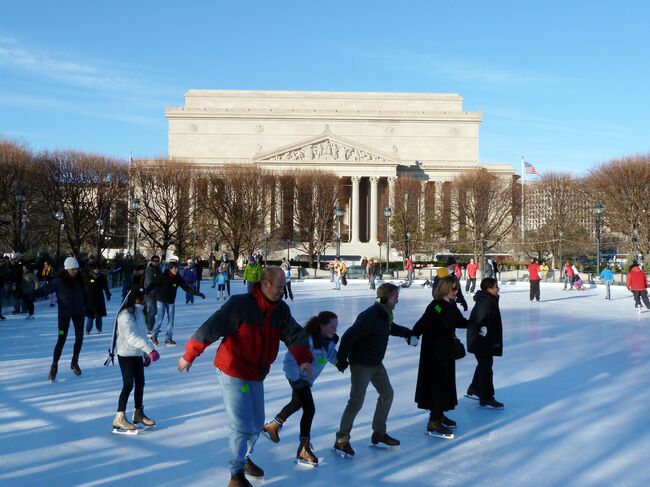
<point>162,310</point>
<point>243,401</point>
<point>607,293</point>
<point>152,309</point>
<point>337,282</point>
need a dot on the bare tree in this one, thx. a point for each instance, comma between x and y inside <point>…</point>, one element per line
<point>406,219</point>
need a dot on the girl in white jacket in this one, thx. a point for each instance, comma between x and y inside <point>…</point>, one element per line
<point>135,351</point>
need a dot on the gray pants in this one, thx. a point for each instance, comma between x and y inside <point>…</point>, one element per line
<point>360,376</point>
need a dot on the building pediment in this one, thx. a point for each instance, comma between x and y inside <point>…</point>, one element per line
<point>327,147</point>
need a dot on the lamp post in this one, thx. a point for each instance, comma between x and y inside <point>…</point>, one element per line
<point>99,222</point>
<point>338,214</point>
<point>635,238</point>
<point>561,256</point>
<point>266,247</point>
<point>483,247</point>
<point>59,218</point>
<point>407,237</point>
<point>598,210</point>
<point>387,213</point>
<point>21,197</point>
<point>135,205</point>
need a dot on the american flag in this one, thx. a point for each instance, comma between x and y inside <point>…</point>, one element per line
<point>530,169</point>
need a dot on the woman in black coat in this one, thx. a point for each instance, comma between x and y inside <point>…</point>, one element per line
<point>97,288</point>
<point>436,385</point>
<point>485,341</point>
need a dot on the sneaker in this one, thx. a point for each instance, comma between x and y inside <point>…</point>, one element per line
<point>169,342</point>
<point>491,404</point>
<point>53,370</point>
<point>272,431</point>
<point>75,368</point>
<point>239,480</point>
<point>140,418</point>
<point>449,423</point>
<point>384,438</point>
<point>344,448</point>
<point>305,453</point>
<point>472,393</point>
<point>252,469</point>
<point>154,340</point>
<point>436,428</point>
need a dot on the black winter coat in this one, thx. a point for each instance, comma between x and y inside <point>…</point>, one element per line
<point>97,287</point>
<point>70,294</point>
<point>485,313</point>
<point>365,342</point>
<point>166,285</point>
<point>436,384</point>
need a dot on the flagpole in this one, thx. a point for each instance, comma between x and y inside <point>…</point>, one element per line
<point>523,221</point>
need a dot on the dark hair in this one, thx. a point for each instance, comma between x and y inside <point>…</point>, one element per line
<point>445,285</point>
<point>132,297</point>
<point>488,283</point>
<point>634,264</point>
<point>385,291</point>
<point>321,319</point>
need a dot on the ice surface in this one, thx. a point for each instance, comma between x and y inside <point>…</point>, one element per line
<point>574,379</point>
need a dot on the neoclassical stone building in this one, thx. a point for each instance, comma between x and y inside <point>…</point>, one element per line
<point>368,139</point>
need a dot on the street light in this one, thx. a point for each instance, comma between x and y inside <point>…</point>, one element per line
<point>598,210</point>
<point>99,222</point>
<point>635,239</point>
<point>135,205</point>
<point>59,218</point>
<point>338,214</point>
<point>561,257</point>
<point>407,237</point>
<point>266,247</point>
<point>483,246</point>
<point>21,197</point>
<point>387,213</point>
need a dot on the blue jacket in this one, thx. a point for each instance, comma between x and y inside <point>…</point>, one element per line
<point>607,275</point>
<point>324,351</point>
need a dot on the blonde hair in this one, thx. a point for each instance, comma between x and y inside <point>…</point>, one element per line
<point>445,286</point>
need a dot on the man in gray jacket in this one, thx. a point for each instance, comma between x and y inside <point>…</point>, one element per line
<point>150,275</point>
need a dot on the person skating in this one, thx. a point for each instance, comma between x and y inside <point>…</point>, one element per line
<point>152,273</point>
<point>471,268</point>
<point>485,341</point>
<point>30,284</point>
<point>363,347</point>
<point>166,285</point>
<point>72,302</point>
<point>533,279</point>
<point>286,267</point>
<point>221,279</point>
<point>97,288</point>
<point>252,273</point>
<point>436,383</point>
<point>637,283</point>
<point>568,276</point>
<point>321,330</point>
<point>372,273</point>
<point>17,265</point>
<point>607,277</point>
<point>189,276</point>
<point>252,326</point>
<point>134,352</point>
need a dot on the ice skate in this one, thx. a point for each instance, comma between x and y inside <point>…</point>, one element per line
<point>491,404</point>
<point>239,480</point>
<point>305,455</point>
<point>343,448</point>
<point>122,426</point>
<point>384,440</point>
<point>272,431</point>
<point>436,428</point>
<point>252,469</point>
<point>140,418</point>
<point>472,393</point>
<point>448,422</point>
<point>169,342</point>
<point>53,370</point>
<point>74,366</point>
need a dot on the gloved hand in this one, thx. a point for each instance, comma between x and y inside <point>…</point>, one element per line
<point>342,365</point>
<point>413,340</point>
<point>464,306</point>
<point>483,331</point>
<point>154,355</point>
<point>201,295</point>
<point>147,360</point>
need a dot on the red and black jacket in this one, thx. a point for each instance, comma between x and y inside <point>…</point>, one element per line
<point>251,327</point>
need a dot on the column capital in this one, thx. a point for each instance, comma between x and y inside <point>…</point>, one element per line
<point>374,179</point>
<point>355,179</point>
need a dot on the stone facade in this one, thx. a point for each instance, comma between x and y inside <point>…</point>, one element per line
<point>368,139</point>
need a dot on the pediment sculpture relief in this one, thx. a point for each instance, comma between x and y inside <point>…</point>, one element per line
<point>327,150</point>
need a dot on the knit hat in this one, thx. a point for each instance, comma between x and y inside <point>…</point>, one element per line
<point>71,263</point>
<point>442,272</point>
<point>451,260</point>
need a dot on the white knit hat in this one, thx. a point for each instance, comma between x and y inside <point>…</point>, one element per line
<point>71,263</point>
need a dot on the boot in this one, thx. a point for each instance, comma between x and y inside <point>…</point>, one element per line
<point>344,448</point>
<point>140,418</point>
<point>252,469</point>
<point>383,438</point>
<point>305,454</point>
<point>272,431</point>
<point>448,422</point>
<point>436,428</point>
<point>239,480</point>
<point>75,368</point>
<point>53,370</point>
<point>121,423</point>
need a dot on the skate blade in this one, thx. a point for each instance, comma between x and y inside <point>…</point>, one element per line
<point>144,427</point>
<point>342,454</point>
<point>117,431</point>
<point>440,435</point>
<point>382,446</point>
<point>306,463</point>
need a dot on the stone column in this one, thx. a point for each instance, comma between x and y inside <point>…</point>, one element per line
<point>391,192</point>
<point>355,209</point>
<point>374,180</point>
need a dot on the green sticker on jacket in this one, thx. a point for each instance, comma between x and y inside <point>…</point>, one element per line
<point>438,308</point>
<point>322,360</point>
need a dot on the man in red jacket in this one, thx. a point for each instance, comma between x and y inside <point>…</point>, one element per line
<point>534,278</point>
<point>471,276</point>
<point>252,325</point>
<point>637,283</point>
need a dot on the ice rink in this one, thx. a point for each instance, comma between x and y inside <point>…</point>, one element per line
<point>574,379</point>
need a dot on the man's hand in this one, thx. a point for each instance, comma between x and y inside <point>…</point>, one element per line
<point>342,365</point>
<point>306,369</point>
<point>412,340</point>
<point>183,365</point>
<point>483,331</point>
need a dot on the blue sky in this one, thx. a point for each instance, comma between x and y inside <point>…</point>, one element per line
<point>564,83</point>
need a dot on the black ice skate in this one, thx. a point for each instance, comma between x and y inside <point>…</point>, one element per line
<point>491,404</point>
<point>75,368</point>
<point>436,428</point>
<point>384,440</point>
<point>343,448</point>
<point>53,370</point>
<point>449,423</point>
